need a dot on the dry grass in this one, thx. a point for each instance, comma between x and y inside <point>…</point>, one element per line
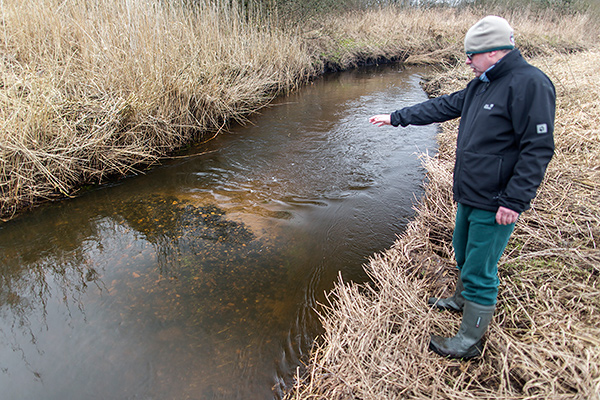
<point>544,340</point>
<point>435,36</point>
<point>92,88</point>
<point>96,88</point>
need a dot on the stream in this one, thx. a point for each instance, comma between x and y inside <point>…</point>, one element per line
<point>199,279</point>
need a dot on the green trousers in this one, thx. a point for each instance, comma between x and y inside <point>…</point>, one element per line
<point>478,245</point>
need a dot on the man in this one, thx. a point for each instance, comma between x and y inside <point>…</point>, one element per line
<point>505,142</point>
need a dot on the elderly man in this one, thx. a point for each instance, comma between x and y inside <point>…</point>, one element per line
<point>505,142</point>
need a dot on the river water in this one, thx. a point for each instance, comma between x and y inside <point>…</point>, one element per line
<point>199,279</point>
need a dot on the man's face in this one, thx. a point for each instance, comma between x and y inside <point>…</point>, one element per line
<point>480,62</point>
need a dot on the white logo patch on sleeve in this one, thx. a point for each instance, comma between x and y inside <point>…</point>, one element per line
<point>542,128</point>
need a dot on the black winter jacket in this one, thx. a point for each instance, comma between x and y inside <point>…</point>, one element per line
<point>505,138</point>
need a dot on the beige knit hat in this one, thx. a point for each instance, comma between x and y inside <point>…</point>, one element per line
<point>489,34</point>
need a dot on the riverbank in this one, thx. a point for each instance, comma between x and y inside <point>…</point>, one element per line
<point>95,92</point>
<point>543,342</point>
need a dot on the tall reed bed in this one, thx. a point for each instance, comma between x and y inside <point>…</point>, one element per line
<point>93,88</point>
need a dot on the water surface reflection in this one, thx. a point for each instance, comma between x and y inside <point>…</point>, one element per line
<point>198,280</point>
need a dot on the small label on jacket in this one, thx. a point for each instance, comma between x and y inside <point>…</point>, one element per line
<point>542,128</point>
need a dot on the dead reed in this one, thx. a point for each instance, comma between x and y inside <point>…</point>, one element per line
<point>435,36</point>
<point>97,89</point>
<point>94,88</point>
<point>544,340</point>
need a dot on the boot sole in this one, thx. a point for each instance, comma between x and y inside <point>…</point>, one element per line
<point>442,308</point>
<point>439,307</point>
<point>473,352</point>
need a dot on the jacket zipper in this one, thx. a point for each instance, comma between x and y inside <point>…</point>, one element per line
<point>467,125</point>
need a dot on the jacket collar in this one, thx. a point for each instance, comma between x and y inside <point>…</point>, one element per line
<point>505,65</point>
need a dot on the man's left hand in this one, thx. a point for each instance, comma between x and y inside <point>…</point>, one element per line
<point>381,119</point>
<point>506,216</point>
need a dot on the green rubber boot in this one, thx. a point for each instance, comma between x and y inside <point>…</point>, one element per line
<point>454,303</point>
<point>467,342</point>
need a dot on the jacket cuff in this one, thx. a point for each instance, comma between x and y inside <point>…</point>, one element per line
<point>513,204</point>
<point>395,118</point>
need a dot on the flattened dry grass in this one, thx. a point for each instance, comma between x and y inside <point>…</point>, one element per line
<point>544,341</point>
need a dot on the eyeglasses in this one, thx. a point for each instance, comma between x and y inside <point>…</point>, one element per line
<point>470,56</point>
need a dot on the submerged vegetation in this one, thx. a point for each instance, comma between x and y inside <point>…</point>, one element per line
<point>98,89</point>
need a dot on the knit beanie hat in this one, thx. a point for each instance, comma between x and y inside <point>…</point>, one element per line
<point>489,34</point>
